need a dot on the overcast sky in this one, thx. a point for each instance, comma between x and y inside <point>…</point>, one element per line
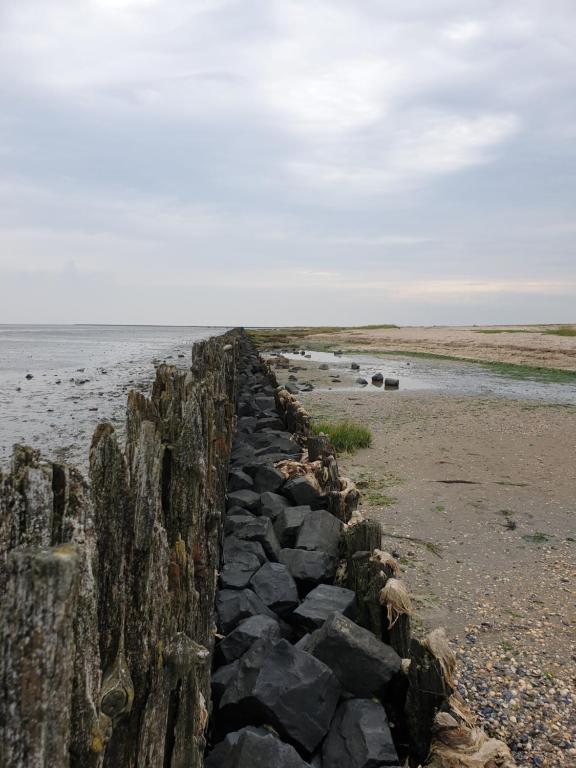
<point>287,162</point>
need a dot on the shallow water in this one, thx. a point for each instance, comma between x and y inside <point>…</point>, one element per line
<point>80,376</point>
<point>443,376</point>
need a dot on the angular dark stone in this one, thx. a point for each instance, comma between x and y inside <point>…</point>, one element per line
<point>239,481</point>
<point>361,380</point>
<point>286,688</point>
<point>237,575</point>
<point>271,504</point>
<point>234,605</point>
<point>300,491</point>
<point>288,523</point>
<point>355,367</point>
<point>258,529</point>
<point>359,737</point>
<point>275,586</point>
<point>235,550</point>
<point>321,603</point>
<point>377,378</point>
<point>309,568</point>
<point>291,388</point>
<point>253,748</point>
<point>247,424</point>
<point>235,522</point>
<point>222,678</point>
<point>268,479</point>
<point>249,500</point>
<point>269,422</point>
<point>246,633</point>
<point>320,531</point>
<point>391,384</point>
<point>363,664</point>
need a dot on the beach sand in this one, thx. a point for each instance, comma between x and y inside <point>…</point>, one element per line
<point>477,498</point>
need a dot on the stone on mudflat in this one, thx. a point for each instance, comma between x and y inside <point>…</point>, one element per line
<point>300,491</point>
<point>320,531</point>
<point>234,550</point>
<point>309,568</point>
<point>222,678</point>
<point>286,688</point>
<point>355,367</point>
<point>253,748</point>
<point>275,586</point>
<point>324,366</point>
<point>288,523</point>
<point>272,504</point>
<point>363,664</point>
<point>359,737</point>
<point>321,603</point>
<point>246,633</point>
<point>246,499</point>
<point>239,481</point>
<point>377,378</point>
<point>268,479</point>
<point>391,384</point>
<point>232,606</point>
<point>259,529</point>
<point>361,380</point>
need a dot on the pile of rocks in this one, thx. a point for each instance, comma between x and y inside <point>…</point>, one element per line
<point>296,681</point>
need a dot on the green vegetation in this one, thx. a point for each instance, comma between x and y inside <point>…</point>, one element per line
<point>563,330</point>
<point>537,537</point>
<point>378,499</point>
<point>345,436</point>
<point>289,337</point>
<point>503,330</point>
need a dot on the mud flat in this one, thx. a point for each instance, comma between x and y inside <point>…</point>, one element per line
<point>474,485</point>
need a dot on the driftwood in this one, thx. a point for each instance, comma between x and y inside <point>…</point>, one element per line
<point>107,601</point>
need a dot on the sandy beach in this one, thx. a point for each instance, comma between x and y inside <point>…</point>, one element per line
<point>523,345</point>
<point>476,495</point>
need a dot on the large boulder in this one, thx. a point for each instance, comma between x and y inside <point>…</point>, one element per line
<point>271,504</point>
<point>273,423</point>
<point>235,522</point>
<point>309,568</point>
<point>222,678</point>
<point>246,633</point>
<point>234,550</point>
<point>320,531</point>
<point>300,491</point>
<point>232,606</point>
<point>286,688</point>
<point>359,737</point>
<point>363,664</point>
<point>268,479</point>
<point>253,748</point>
<point>275,586</point>
<point>321,603</point>
<point>239,481</point>
<point>287,525</point>
<point>245,498</point>
<point>258,529</point>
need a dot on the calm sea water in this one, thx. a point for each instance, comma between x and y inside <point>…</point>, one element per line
<point>80,375</point>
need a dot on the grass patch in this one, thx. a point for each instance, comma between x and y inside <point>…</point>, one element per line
<point>536,538</point>
<point>563,330</point>
<point>289,337</point>
<point>502,330</point>
<point>378,499</point>
<point>345,436</point>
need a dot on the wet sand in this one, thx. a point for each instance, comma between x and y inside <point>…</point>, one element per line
<point>525,345</point>
<point>477,495</point>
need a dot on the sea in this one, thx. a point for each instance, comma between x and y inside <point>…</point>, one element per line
<point>57,382</point>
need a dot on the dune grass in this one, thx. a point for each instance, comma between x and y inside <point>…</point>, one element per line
<point>563,330</point>
<point>346,436</point>
<point>278,337</point>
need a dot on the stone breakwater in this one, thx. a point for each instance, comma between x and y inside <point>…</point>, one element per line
<point>109,602</point>
<point>315,663</point>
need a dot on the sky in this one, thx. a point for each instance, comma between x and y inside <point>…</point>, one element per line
<point>284,162</point>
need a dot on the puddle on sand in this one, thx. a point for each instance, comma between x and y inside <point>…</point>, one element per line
<point>442,376</point>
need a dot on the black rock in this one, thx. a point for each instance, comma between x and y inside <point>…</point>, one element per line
<point>241,455</point>
<point>269,422</point>
<point>246,633</point>
<point>391,384</point>
<point>232,606</point>
<point>355,367</point>
<point>377,378</point>
<point>291,388</point>
<point>247,424</point>
<point>249,500</point>
<point>258,529</point>
<point>320,531</point>
<point>304,643</point>
<point>272,504</point>
<point>286,688</point>
<point>300,491</point>
<point>324,367</point>
<point>239,481</point>
<point>265,402</point>
<point>288,523</point>
<point>268,479</point>
<point>275,586</point>
<point>273,442</point>
<point>29,376</point>
<point>361,380</point>
<point>235,522</point>
<point>359,737</point>
<point>321,603</point>
<point>309,568</point>
<point>222,678</point>
<point>234,550</point>
<point>237,575</point>
<point>363,664</point>
<point>253,748</point>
